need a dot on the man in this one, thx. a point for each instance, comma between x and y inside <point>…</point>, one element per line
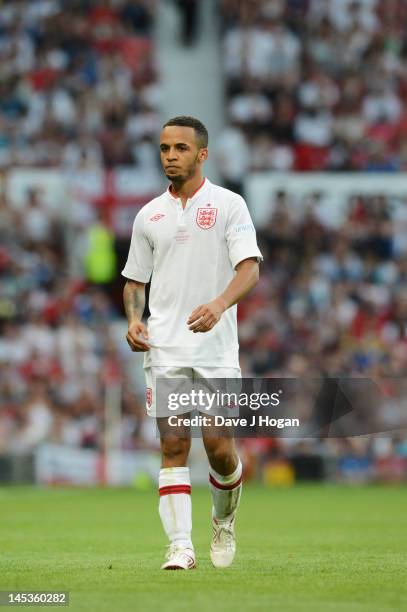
<point>189,14</point>
<point>198,242</point>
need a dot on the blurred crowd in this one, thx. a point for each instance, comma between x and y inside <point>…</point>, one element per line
<point>330,301</point>
<point>61,340</point>
<point>314,85</point>
<point>78,85</point>
<point>333,302</point>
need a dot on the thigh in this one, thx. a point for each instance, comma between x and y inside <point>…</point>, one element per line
<point>153,373</point>
<point>220,387</point>
<point>174,437</point>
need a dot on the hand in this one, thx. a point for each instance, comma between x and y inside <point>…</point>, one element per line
<point>136,333</point>
<point>203,318</point>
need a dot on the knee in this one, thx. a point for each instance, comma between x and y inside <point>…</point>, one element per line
<point>222,456</point>
<point>175,451</point>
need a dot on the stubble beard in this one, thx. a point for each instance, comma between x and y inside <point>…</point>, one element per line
<point>179,179</point>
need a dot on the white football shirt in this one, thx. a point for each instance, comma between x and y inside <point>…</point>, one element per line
<point>190,255</point>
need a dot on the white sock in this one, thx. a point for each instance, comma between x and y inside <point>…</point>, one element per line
<point>226,492</point>
<point>175,504</point>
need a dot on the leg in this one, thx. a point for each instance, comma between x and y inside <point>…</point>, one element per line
<point>174,449</point>
<point>175,495</point>
<point>221,452</point>
<point>225,474</point>
<point>225,481</point>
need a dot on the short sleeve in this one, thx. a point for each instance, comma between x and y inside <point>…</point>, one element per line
<point>240,233</point>
<point>139,263</point>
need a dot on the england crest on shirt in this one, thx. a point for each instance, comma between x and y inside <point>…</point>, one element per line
<point>206,217</point>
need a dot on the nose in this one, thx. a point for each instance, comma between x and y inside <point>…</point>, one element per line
<point>172,155</point>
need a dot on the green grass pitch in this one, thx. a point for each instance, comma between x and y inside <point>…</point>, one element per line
<point>306,548</point>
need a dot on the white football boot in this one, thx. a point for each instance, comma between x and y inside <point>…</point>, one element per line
<point>223,546</point>
<point>179,558</point>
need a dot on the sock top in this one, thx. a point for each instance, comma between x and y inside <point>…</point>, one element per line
<point>229,478</point>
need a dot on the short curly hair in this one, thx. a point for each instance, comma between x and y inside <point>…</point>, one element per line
<point>201,132</point>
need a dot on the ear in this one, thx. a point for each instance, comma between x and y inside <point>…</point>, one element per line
<point>203,155</point>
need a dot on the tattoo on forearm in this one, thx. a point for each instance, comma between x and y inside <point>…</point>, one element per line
<point>134,300</point>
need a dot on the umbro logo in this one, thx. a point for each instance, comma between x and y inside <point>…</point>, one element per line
<point>157,217</point>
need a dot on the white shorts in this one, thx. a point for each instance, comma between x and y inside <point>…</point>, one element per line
<point>191,374</point>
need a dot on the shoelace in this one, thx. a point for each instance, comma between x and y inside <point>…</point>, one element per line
<point>225,535</point>
<point>173,549</point>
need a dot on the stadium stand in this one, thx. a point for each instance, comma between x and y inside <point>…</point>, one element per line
<point>310,87</point>
<point>316,85</point>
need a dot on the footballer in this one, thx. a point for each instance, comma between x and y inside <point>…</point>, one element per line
<point>197,244</point>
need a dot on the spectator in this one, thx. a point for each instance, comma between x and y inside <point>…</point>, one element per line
<point>35,421</point>
<point>69,66</point>
<point>189,10</point>
<point>328,81</point>
<point>233,155</point>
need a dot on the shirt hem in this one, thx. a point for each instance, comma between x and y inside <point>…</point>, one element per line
<point>244,256</point>
<point>140,278</point>
<point>190,364</point>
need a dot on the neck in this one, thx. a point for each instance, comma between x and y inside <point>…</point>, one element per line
<point>186,189</point>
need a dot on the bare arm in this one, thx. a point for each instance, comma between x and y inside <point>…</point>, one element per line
<point>204,317</point>
<point>134,300</point>
<point>242,283</point>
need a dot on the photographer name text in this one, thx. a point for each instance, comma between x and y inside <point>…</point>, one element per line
<point>221,421</point>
